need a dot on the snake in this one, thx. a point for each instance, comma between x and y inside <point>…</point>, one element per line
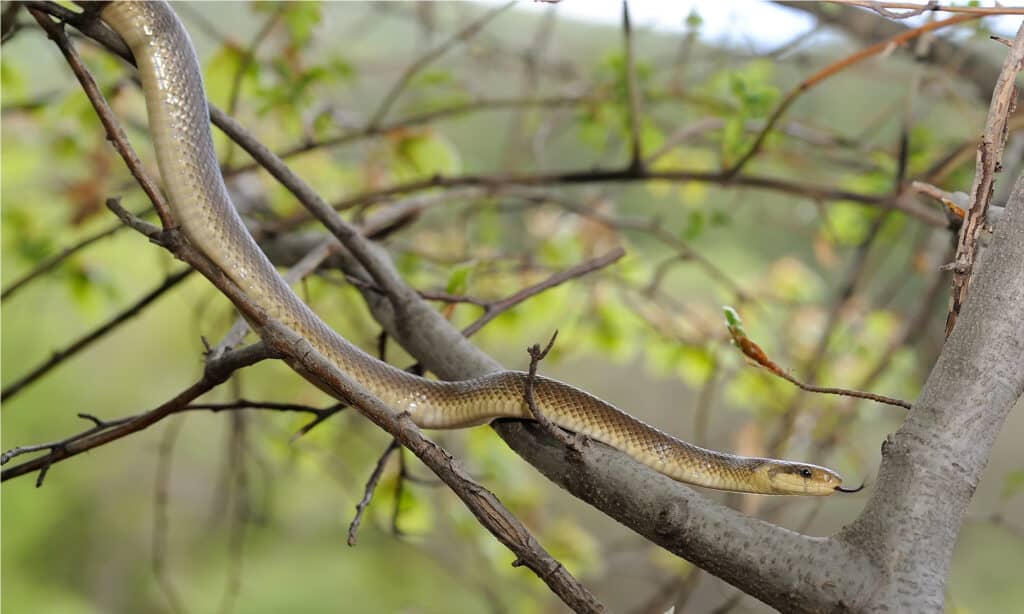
<point>179,123</point>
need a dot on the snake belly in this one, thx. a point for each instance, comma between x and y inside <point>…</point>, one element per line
<point>180,125</point>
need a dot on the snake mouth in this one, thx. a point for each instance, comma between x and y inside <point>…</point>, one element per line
<point>858,489</point>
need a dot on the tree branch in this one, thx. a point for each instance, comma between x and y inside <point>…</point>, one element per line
<point>989,162</point>
<point>932,465</point>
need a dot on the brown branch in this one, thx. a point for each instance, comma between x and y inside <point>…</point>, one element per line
<point>885,9</point>
<point>216,372</point>
<point>988,163</point>
<point>754,352</point>
<point>537,355</point>
<point>371,486</point>
<point>52,262</point>
<point>368,131</point>
<point>626,175</point>
<point>410,72</point>
<point>265,405</point>
<point>115,134</point>
<point>636,156</point>
<point>86,340</point>
<point>495,309</point>
<point>831,70</point>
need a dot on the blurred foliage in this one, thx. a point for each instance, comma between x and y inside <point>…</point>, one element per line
<point>645,333</point>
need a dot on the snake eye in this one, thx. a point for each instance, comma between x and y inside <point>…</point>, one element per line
<point>805,472</point>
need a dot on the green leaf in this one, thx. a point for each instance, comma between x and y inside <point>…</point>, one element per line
<point>1013,483</point>
<point>733,321</point>
<point>301,18</point>
<point>424,154</point>
<point>694,226</point>
<point>458,279</point>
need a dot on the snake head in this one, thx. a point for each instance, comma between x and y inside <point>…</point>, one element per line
<point>785,478</point>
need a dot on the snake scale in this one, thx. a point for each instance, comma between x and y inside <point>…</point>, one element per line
<point>180,125</point>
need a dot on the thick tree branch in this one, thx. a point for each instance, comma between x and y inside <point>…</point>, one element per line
<point>932,465</point>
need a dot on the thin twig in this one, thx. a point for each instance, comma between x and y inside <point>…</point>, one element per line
<point>989,162</point>
<point>636,155</point>
<point>831,70</point>
<point>912,9</point>
<point>537,355</point>
<point>247,59</point>
<point>51,263</point>
<point>86,340</point>
<point>414,68</point>
<point>497,308</point>
<point>371,486</point>
<point>754,352</point>
<point>114,131</point>
<point>417,119</point>
<point>216,373</point>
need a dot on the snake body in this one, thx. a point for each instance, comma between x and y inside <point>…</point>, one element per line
<point>180,125</point>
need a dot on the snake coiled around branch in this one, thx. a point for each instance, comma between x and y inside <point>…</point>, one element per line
<point>180,124</point>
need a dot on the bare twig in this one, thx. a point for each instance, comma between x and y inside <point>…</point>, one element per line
<point>52,262</point>
<point>912,9</point>
<point>752,351</point>
<point>410,72</point>
<point>86,340</point>
<point>636,155</point>
<point>247,59</point>
<point>417,119</point>
<point>495,309</point>
<point>537,355</point>
<point>990,152</point>
<point>114,132</point>
<point>831,70</point>
<point>216,372</point>
<point>616,175</point>
<point>371,486</point>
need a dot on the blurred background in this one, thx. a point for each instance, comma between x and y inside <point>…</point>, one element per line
<point>819,242</point>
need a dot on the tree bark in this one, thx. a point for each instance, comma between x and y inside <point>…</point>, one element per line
<point>932,465</point>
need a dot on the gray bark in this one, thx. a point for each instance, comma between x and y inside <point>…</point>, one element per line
<point>932,465</point>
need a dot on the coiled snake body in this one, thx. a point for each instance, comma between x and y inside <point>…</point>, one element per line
<point>180,124</point>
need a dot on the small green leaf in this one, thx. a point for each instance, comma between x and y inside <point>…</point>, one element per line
<point>733,321</point>
<point>1013,483</point>
<point>301,18</point>
<point>425,154</point>
<point>458,279</point>
<point>694,226</point>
